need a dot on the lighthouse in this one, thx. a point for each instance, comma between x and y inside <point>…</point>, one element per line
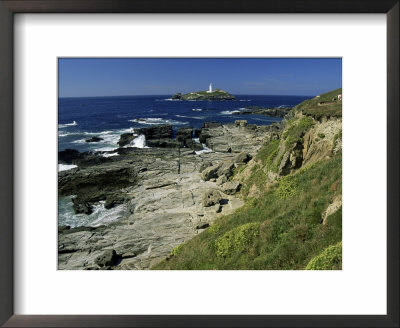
<point>210,88</point>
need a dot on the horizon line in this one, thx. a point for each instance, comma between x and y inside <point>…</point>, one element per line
<point>143,95</point>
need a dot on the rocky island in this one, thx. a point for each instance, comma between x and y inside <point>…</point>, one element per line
<point>210,94</point>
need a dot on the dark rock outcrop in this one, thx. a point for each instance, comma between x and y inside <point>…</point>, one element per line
<point>94,139</point>
<point>67,156</point>
<point>208,125</point>
<point>81,206</point>
<point>177,96</point>
<point>157,132</point>
<point>184,137</point>
<point>162,143</point>
<point>108,258</point>
<point>114,199</point>
<point>125,139</point>
<point>242,158</point>
<point>273,112</point>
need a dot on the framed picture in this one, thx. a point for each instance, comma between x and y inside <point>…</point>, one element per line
<point>234,113</point>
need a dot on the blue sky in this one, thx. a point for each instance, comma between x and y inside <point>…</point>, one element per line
<point>87,77</point>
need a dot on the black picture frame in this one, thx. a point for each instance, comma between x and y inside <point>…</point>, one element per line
<point>10,7</point>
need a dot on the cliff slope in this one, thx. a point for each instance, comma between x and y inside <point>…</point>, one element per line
<point>292,217</point>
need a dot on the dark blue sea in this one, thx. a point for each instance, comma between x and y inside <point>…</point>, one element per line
<point>108,117</point>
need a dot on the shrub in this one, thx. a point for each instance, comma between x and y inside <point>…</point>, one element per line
<point>214,228</point>
<point>237,239</point>
<point>329,259</point>
<point>176,250</point>
<point>336,137</point>
<point>287,187</point>
<point>321,135</point>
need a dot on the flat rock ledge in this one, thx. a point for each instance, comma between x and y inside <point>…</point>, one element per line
<point>169,196</point>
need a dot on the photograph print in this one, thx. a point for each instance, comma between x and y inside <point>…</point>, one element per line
<point>200,163</point>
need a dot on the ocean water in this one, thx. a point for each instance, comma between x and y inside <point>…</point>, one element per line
<point>109,117</point>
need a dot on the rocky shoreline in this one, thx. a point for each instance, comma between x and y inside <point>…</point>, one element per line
<point>170,192</point>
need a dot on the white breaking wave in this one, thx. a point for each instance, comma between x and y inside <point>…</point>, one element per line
<point>204,150</point>
<point>138,142</point>
<point>60,126</point>
<point>65,167</point>
<point>106,149</point>
<point>195,117</point>
<point>230,112</point>
<point>80,141</point>
<point>168,99</point>
<point>62,134</point>
<point>245,100</point>
<point>196,140</point>
<point>97,133</point>
<point>157,121</point>
<point>197,109</point>
<point>109,154</point>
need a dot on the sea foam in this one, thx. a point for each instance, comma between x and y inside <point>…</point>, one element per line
<point>157,121</point>
<point>99,216</point>
<point>139,142</point>
<point>204,150</point>
<point>65,167</point>
<point>60,126</point>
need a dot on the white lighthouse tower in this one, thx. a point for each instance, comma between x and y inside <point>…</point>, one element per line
<point>210,88</point>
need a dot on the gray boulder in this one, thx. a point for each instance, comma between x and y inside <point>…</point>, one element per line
<point>210,172</point>
<point>108,258</point>
<point>221,180</point>
<point>231,187</point>
<point>242,158</point>
<point>211,197</point>
<point>226,168</point>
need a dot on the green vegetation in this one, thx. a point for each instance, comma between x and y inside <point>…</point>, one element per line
<point>237,239</point>
<point>321,135</point>
<point>326,105</point>
<point>286,187</point>
<point>329,259</point>
<point>267,154</point>
<point>336,137</point>
<point>296,130</point>
<point>237,170</point>
<point>271,232</point>
<point>258,178</point>
<point>176,250</point>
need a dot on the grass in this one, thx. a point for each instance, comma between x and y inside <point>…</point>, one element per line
<point>258,179</point>
<point>296,130</point>
<point>336,137</point>
<point>281,229</point>
<point>267,154</point>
